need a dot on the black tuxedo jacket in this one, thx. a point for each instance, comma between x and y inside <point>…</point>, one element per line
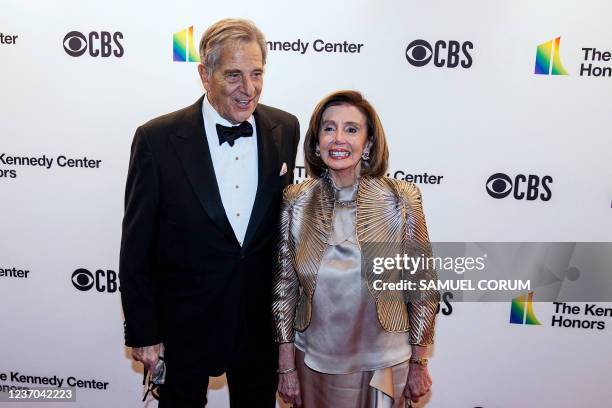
<point>185,279</point>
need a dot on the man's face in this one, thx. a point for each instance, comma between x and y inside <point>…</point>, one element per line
<point>235,85</point>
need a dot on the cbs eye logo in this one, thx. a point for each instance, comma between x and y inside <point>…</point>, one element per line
<point>522,187</point>
<point>449,54</point>
<point>98,44</point>
<point>103,281</point>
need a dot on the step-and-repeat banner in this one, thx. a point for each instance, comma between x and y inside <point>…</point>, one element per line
<point>499,110</point>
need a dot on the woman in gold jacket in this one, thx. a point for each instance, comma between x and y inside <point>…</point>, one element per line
<point>344,340</point>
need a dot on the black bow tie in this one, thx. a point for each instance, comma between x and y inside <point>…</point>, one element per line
<point>229,134</point>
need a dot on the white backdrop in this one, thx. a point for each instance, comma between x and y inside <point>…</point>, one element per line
<point>464,124</point>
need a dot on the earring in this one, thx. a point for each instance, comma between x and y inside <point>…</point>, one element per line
<point>365,156</point>
<point>317,151</point>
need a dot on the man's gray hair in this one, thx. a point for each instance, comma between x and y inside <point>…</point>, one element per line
<point>226,31</point>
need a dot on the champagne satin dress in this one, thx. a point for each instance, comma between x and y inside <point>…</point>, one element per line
<point>345,359</point>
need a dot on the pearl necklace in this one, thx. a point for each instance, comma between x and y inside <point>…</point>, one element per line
<point>347,203</point>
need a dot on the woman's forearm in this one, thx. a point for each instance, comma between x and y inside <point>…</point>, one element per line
<point>286,356</point>
<point>419,352</point>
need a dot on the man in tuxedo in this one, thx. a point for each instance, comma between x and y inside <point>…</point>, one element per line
<point>201,210</point>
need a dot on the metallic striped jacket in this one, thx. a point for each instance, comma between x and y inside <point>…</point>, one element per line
<point>388,211</point>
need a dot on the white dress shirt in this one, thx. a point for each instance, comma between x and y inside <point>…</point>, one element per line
<point>235,169</point>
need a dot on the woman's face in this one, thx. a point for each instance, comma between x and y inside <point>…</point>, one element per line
<point>342,140</point>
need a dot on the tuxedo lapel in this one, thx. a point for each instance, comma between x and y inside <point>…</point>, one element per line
<point>268,145</point>
<point>191,146</point>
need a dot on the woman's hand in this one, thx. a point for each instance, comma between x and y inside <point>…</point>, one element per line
<point>418,382</point>
<point>289,388</point>
<point>288,383</point>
